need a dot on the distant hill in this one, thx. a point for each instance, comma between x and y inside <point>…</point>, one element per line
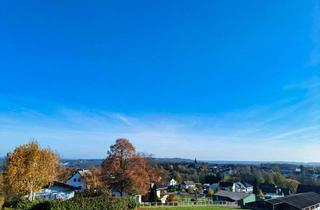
<point>82,163</point>
<point>87,163</point>
<point>173,160</point>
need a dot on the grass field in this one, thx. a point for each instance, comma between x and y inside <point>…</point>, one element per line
<point>188,208</point>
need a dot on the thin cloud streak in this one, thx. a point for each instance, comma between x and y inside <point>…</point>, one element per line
<point>248,135</point>
<point>289,128</point>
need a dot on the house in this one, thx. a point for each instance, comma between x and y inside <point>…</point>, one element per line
<point>172,182</point>
<point>242,187</point>
<point>226,186</point>
<point>240,198</point>
<point>214,187</point>
<point>56,191</point>
<point>301,201</point>
<point>78,179</point>
<point>271,191</point>
<point>189,185</point>
<point>302,188</point>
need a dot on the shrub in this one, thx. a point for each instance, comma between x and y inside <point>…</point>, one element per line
<point>132,203</point>
<point>77,203</point>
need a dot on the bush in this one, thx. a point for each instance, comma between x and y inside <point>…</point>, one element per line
<point>132,203</point>
<point>77,203</point>
<point>171,198</point>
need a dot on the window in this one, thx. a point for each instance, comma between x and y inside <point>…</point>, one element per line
<point>74,180</point>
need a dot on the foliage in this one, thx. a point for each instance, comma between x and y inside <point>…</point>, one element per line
<point>213,178</point>
<point>63,173</point>
<point>29,168</point>
<point>292,184</point>
<point>94,181</point>
<point>1,190</point>
<point>260,194</point>
<point>83,203</point>
<point>279,179</point>
<point>210,192</point>
<point>124,169</point>
<point>153,194</point>
<point>172,198</point>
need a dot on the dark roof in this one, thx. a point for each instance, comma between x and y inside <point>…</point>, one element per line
<point>64,185</point>
<point>226,184</point>
<point>236,196</point>
<point>247,184</point>
<point>268,188</point>
<point>286,191</point>
<point>299,201</point>
<point>82,172</point>
<point>302,188</point>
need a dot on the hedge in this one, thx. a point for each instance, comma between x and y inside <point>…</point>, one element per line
<point>77,203</point>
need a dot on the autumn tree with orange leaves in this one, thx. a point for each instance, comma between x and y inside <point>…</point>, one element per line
<point>29,168</point>
<point>125,170</point>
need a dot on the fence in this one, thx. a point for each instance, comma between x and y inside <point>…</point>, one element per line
<point>190,203</point>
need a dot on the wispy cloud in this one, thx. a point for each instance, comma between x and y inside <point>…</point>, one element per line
<point>284,130</point>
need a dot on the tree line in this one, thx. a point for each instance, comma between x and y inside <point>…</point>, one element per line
<point>29,168</point>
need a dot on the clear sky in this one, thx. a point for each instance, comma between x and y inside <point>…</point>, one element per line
<point>216,80</point>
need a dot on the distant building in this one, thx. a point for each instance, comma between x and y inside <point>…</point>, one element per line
<point>240,198</point>
<point>214,187</point>
<point>172,182</point>
<point>56,191</point>
<point>271,191</point>
<point>302,201</point>
<point>242,187</point>
<point>78,179</point>
<point>189,185</point>
<point>226,186</point>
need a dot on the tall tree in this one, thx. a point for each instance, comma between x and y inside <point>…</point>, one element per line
<point>1,190</point>
<point>29,168</point>
<point>125,170</point>
<point>153,193</point>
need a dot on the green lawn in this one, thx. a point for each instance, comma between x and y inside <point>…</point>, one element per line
<point>188,198</point>
<point>188,208</point>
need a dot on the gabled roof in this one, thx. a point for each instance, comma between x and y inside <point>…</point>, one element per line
<point>268,188</point>
<point>82,172</point>
<point>236,196</point>
<point>64,185</point>
<point>299,201</point>
<point>247,184</point>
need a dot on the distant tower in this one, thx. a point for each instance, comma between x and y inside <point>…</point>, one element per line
<point>195,163</point>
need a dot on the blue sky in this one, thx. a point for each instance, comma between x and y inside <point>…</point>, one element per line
<point>216,80</point>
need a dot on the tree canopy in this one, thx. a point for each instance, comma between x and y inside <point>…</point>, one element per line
<point>29,168</point>
<point>125,170</point>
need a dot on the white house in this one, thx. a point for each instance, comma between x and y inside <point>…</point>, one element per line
<point>172,182</point>
<point>189,185</point>
<point>78,179</point>
<point>242,187</point>
<point>57,191</point>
